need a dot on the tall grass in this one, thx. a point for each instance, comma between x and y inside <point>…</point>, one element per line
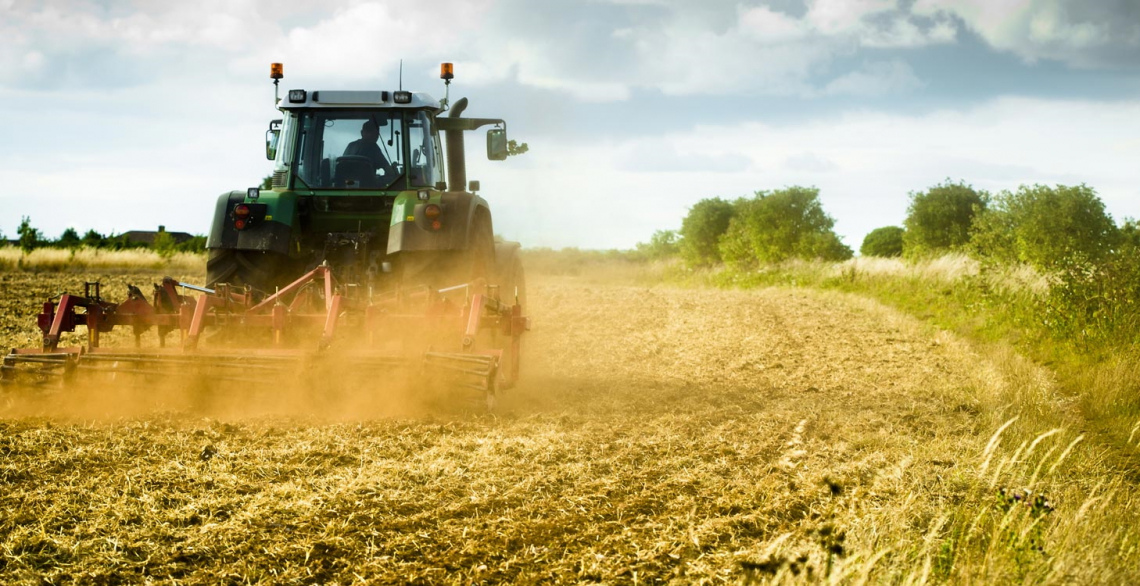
<point>80,259</point>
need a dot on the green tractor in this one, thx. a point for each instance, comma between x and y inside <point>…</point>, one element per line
<point>363,184</point>
<point>368,252</point>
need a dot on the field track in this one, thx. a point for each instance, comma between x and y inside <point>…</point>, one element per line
<point>662,434</point>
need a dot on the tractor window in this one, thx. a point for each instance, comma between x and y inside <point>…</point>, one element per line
<point>426,161</point>
<point>351,149</point>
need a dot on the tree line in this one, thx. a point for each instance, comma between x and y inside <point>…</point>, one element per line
<point>1042,226</point>
<point>1061,231</point>
<point>30,238</point>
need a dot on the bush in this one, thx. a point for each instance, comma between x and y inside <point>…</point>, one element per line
<point>662,245</point>
<point>939,219</point>
<point>30,237</point>
<point>164,244</point>
<point>885,242</point>
<point>69,239</point>
<point>1096,305</point>
<point>701,230</point>
<point>194,244</point>
<point>1130,234</point>
<point>93,239</point>
<point>1046,227</point>
<point>775,226</point>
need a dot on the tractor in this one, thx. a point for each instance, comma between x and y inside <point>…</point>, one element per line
<point>363,183</point>
<point>367,247</point>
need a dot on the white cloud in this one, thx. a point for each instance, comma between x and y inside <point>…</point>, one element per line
<point>864,163</point>
<point>875,79</point>
<point>809,162</point>
<point>673,156</point>
<point>769,26</point>
<point>1077,32</point>
<point>832,17</point>
<point>185,95</point>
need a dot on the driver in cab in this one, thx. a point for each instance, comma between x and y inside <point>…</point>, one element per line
<point>367,147</point>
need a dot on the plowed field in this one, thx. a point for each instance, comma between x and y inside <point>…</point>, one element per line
<point>662,434</point>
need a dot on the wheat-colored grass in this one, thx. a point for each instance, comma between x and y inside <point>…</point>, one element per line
<point>87,259</point>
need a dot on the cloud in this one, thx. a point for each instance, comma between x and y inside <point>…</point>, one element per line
<point>180,90</point>
<point>809,162</point>
<point>666,156</point>
<point>865,164</point>
<point>1079,33</point>
<point>832,17</point>
<point>874,79</point>
<point>595,52</point>
<point>771,27</point>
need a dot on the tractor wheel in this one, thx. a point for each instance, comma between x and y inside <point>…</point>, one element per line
<point>262,271</point>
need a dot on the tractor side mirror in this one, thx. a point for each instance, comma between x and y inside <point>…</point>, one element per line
<point>497,144</point>
<point>271,137</point>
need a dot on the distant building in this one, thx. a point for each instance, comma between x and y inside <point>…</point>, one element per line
<point>146,237</point>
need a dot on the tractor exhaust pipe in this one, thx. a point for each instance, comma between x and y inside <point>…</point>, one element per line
<point>456,163</point>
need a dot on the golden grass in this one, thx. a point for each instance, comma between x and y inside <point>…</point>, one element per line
<point>948,269</point>
<point>87,259</point>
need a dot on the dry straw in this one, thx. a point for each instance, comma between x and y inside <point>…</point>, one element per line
<point>80,259</point>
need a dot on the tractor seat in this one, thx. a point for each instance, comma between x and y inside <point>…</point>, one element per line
<point>354,171</point>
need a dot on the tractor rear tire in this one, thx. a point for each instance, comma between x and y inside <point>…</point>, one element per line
<point>261,271</point>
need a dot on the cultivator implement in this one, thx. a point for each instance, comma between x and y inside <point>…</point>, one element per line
<point>469,334</point>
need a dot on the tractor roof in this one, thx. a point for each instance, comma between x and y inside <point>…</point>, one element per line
<point>356,99</point>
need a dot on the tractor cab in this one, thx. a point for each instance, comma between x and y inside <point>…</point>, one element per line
<point>356,141</point>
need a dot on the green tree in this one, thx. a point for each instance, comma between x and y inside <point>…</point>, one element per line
<point>663,244</point>
<point>30,238</point>
<point>701,231</point>
<point>776,226</point>
<point>93,239</point>
<point>1130,234</point>
<point>69,239</point>
<point>122,242</point>
<point>194,244</point>
<point>267,182</point>
<point>164,244</point>
<point>1042,226</point>
<point>886,242</point>
<point>938,220</point>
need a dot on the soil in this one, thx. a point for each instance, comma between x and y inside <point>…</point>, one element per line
<point>661,434</point>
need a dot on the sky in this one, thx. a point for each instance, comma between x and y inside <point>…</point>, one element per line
<point>123,116</point>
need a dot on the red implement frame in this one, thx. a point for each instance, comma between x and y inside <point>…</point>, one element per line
<point>484,350</point>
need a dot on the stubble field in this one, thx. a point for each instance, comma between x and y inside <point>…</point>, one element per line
<point>661,435</point>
